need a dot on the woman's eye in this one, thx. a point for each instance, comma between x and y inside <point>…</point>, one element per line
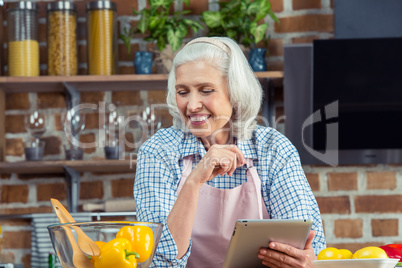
<point>182,92</point>
<point>207,91</point>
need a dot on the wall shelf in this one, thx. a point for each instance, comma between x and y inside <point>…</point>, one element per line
<point>96,82</point>
<point>97,215</point>
<point>57,166</point>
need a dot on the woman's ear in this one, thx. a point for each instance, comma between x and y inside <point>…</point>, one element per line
<point>235,112</point>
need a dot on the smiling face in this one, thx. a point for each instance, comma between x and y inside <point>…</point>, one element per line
<point>202,97</point>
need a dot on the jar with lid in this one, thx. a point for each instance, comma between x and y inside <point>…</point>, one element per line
<point>23,45</point>
<point>102,38</point>
<point>62,38</point>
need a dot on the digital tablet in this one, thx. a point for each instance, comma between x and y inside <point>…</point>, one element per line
<point>249,236</point>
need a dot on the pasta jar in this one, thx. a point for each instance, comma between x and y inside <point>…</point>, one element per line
<point>62,38</point>
<point>102,38</point>
<point>23,45</point>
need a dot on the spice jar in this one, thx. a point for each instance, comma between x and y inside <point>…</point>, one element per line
<point>23,45</point>
<point>62,38</point>
<point>102,38</point>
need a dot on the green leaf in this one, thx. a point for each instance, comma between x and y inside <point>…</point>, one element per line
<point>174,38</point>
<point>194,25</point>
<point>212,18</point>
<point>161,3</point>
<point>273,16</point>
<point>234,4</point>
<point>143,23</point>
<point>187,2</point>
<point>156,22</point>
<point>246,41</point>
<point>242,8</point>
<point>135,12</point>
<point>161,43</point>
<point>232,34</point>
<point>263,10</point>
<point>259,32</point>
<point>259,9</point>
<point>127,41</point>
<point>253,8</point>
<point>181,31</point>
<point>181,13</point>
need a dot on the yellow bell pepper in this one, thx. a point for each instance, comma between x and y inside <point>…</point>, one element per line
<point>100,245</point>
<point>141,238</point>
<point>116,253</point>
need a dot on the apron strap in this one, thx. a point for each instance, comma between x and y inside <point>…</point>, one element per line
<point>252,172</point>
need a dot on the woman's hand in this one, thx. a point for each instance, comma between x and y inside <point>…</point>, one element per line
<point>218,160</point>
<point>283,255</point>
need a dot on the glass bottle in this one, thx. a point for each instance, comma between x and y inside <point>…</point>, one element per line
<point>62,38</point>
<point>23,45</point>
<point>102,38</point>
<point>52,260</point>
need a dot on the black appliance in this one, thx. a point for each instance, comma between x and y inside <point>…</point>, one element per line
<point>343,100</point>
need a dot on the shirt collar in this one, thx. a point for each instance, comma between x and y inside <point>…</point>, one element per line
<point>192,145</point>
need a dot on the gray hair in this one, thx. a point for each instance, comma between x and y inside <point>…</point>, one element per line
<point>245,91</point>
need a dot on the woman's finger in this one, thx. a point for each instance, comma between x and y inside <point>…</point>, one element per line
<point>225,156</point>
<point>276,258</point>
<point>232,147</point>
<point>219,160</point>
<point>234,164</point>
<point>269,261</point>
<point>285,255</point>
<point>286,249</point>
<point>310,237</point>
<point>240,156</point>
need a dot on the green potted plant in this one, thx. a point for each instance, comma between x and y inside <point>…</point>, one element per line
<point>241,20</point>
<point>166,28</point>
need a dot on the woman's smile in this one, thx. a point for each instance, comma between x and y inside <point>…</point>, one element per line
<point>198,119</point>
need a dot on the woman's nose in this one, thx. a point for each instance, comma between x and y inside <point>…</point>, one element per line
<point>194,103</point>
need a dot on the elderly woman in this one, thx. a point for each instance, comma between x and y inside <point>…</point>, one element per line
<point>201,175</point>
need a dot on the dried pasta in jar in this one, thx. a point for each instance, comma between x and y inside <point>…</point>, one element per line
<point>23,58</point>
<point>62,38</point>
<point>23,45</point>
<point>102,38</point>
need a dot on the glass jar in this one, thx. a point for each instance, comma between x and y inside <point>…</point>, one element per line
<point>102,38</point>
<point>62,38</point>
<point>23,45</point>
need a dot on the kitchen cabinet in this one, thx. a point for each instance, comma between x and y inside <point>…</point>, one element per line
<point>85,83</point>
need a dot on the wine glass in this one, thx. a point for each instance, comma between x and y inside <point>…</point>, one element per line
<point>115,132</point>
<point>152,119</point>
<point>35,123</point>
<point>74,123</point>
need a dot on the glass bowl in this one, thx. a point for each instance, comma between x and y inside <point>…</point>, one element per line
<point>98,231</point>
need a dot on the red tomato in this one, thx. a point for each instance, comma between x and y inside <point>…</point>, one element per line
<point>392,252</point>
<point>398,246</point>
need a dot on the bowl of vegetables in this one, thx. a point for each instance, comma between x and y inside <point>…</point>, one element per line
<point>387,256</point>
<point>104,244</point>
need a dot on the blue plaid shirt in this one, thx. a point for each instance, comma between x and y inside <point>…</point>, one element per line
<point>285,190</point>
